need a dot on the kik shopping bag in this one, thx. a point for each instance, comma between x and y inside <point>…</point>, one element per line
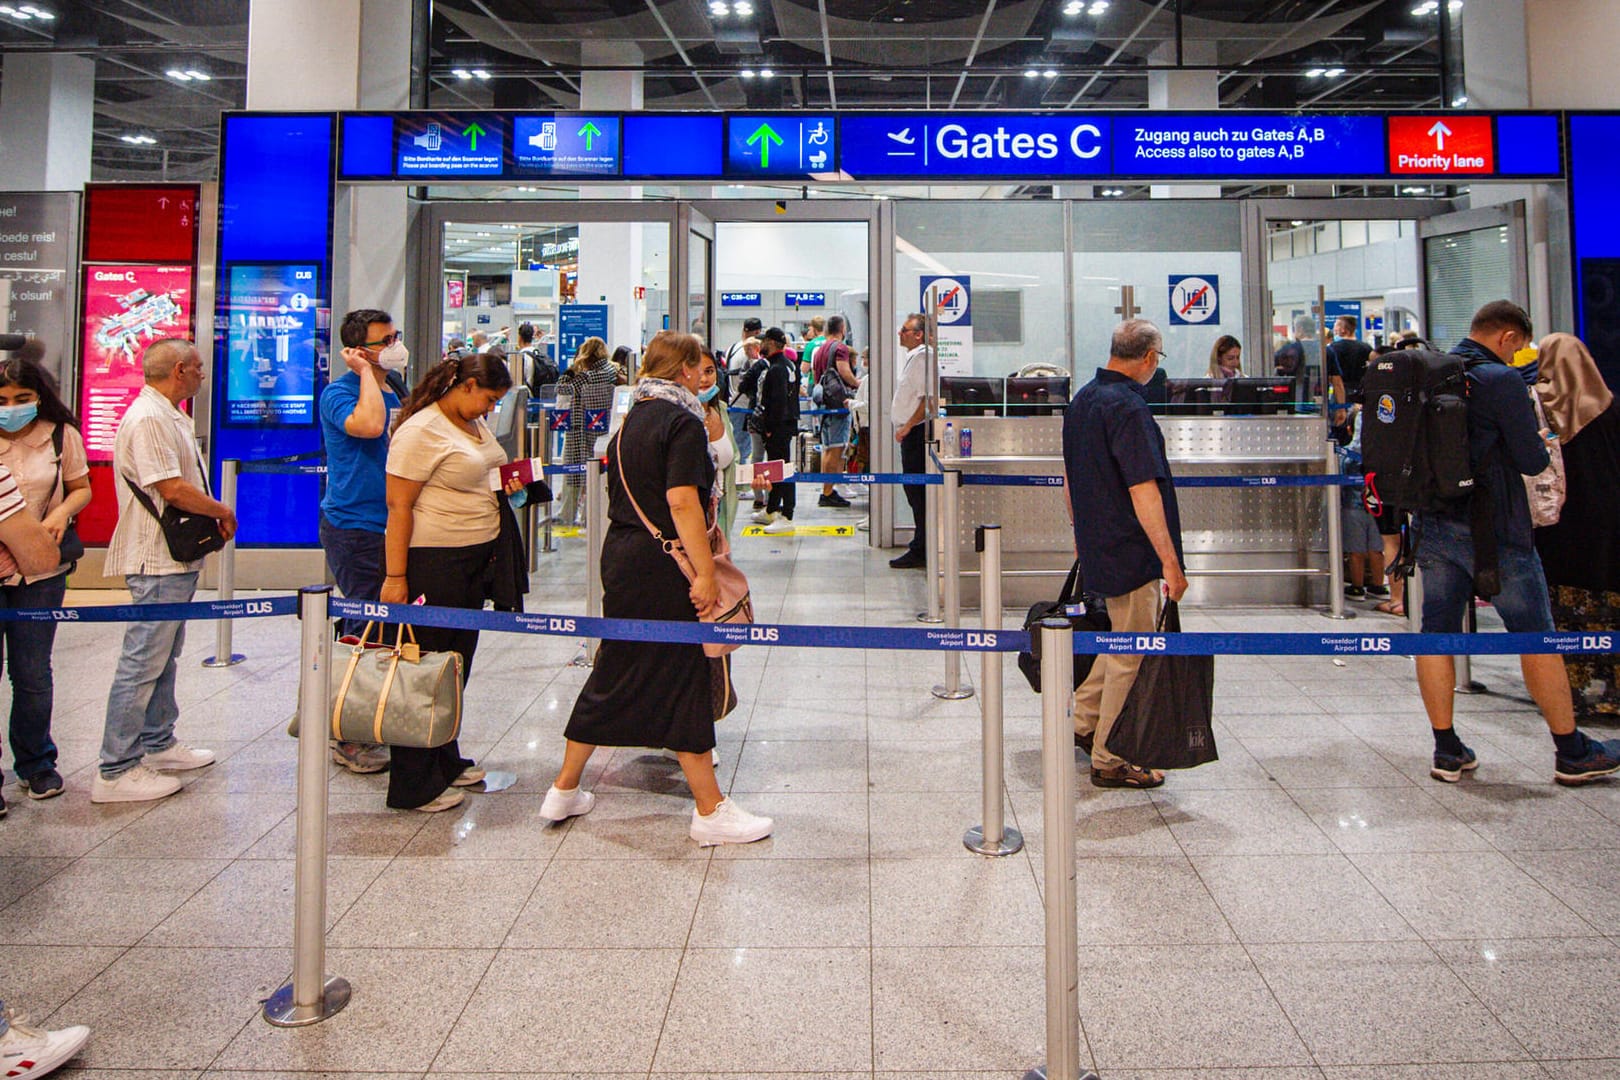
<point>1165,723</point>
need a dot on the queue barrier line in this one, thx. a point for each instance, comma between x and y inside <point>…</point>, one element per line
<point>265,607</point>
<point>312,463</point>
<point>1056,480</point>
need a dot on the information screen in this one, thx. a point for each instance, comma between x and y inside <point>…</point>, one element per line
<point>270,344</point>
<point>557,145</point>
<point>150,223</point>
<point>1243,145</point>
<point>125,309</point>
<point>445,144</point>
<point>1001,144</point>
<point>790,145</point>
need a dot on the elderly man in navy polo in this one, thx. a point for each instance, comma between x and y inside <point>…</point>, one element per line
<point>1127,529</point>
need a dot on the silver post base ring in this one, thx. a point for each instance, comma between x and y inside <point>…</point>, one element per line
<point>279,1010</point>
<point>923,616</point>
<point>1012,842</point>
<point>1039,1073</point>
<point>1340,615</point>
<point>1472,686</point>
<point>230,661</point>
<point>947,694</point>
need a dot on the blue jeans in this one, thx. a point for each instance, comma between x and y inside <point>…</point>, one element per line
<point>1446,557</point>
<point>355,558</point>
<point>27,650</point>
<point>141,709</point>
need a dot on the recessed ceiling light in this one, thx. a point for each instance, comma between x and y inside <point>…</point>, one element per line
<point>1333,73</point>
<point>461,73</point>
<point>177,75</point>
<point>480,74</point>
<point>746,73</point>
<point>1459,101</point>
<point>1048,74</point>
<point>766,73</point>
<point>138,140</point>
<point>1315,73</point>
<point>1031,73</point>
<point>200,76</point>
<point>1099,7</point>
<point>744,8</point>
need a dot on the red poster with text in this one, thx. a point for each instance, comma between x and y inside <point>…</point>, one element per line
<point>125,308</point>
<point>1441,146</point>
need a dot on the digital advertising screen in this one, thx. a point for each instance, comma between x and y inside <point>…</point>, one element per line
<point>270,344</point>
<point>449,145</point>
<point>125,309</point>
<point>557,145</point>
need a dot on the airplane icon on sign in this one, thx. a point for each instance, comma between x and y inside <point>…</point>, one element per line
<point>905,138</point>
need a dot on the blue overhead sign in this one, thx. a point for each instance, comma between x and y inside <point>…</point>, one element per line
<point>449,144</point>
<point>577,145</point>
<point>673,144</point>
<point>973,144</point>
<point>787,145</point>
<point>1184,144</point>
<point>804,299</point>
<point>575,323</point>
<point>739,299</point>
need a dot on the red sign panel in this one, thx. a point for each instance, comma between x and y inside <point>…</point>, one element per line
<point>1441,145</point>
<point>140,223</point>
<point>125,307</point>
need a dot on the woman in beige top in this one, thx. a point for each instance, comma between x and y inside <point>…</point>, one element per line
<point>443,521</point>
<point>41,446</point>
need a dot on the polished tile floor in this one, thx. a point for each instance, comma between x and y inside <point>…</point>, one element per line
<point>1311,906</point>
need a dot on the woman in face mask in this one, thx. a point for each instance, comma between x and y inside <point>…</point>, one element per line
<point>41,445</point>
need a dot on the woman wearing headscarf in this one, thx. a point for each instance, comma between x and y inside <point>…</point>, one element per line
<point>590,379</point>
<point>1581,553</point>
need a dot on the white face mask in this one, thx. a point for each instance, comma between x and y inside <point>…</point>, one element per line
<point>394,356</point>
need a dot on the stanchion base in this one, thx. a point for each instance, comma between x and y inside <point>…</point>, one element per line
<point>1471,687</point>
<point>279,1010</point>
<point>1039,1073</point>
<point>1341,615</point>
<point>495,780</point>
<point>1012,842</point>
<point>953,695</point>
<point>230,661</point>
<point>923,616</point>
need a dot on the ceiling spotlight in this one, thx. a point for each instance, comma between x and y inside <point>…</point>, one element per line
<point>1074,7</point>
<point>719,10</point>
<point>480,74</point>
<point>1099,7</point>
<point>1333,73</point>
<point>744,8</point>
<point>1315,73</point>
<point>1428,7</point>
<point>177,75</point>
<point>1049,74</point>
<point>1459,101</point>
<point>1414,191</point>
<point>746,73</point>
<point>40,13</point>
<point>1031,73</point>
<point>138,140</point>
<point>198,75</point>
<point>461,73</point>
<point>766,73</point>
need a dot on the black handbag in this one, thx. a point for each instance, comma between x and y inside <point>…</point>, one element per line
<point>1088,615</point>
<point>1166,720</point>
<point>189,536</point>
<point>70,546</point>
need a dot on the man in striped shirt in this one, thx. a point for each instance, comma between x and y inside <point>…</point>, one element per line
<point>156,448</point>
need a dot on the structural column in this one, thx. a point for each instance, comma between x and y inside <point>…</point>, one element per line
<point>47,112</point>
<point>611,254</point>
<point>1171,87</point>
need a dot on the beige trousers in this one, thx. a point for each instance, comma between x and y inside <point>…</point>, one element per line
<point>1098,700</point>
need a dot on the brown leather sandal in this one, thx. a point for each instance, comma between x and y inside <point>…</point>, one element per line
<point>1126,776</point>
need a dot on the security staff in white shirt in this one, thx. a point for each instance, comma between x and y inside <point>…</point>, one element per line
<point>906,408</point>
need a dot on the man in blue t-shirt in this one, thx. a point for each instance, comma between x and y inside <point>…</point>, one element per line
<point>355,412</point>
<point>1504,446</point>
<point>1127,530</point>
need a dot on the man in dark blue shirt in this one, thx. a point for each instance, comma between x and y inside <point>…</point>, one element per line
<point>1127,529</point>
<point>1504,446</point>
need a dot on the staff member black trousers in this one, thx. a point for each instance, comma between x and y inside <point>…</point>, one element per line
<point>914,459</point>
<point>784,497</point>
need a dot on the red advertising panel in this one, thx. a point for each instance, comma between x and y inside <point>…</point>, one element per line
<point>125,307</point>
<point>140,223</point>
<point>1441,145</point>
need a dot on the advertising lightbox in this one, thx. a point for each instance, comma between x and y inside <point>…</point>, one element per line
<point>270,345</point>
<point>126,308</point>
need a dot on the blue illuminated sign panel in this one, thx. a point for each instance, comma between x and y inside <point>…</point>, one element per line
<point>566,145</point>
<point>575,323</point>
<point>973,144</point>
<point>449,145</point>
<point>804,299</point>
<point>1238,145</point>
<point>791,145</point>
<point>674,145</point>
<point>739,299</point>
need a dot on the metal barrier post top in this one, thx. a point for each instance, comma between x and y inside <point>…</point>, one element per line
<point>311,996</point>
<point>223,656</point>
<point>991,836</point>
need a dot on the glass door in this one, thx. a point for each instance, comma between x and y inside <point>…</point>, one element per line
<point>1469,259</point>
<point>694,259</point>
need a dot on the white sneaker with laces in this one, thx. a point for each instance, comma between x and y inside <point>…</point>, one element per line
<point>850,492</point>
<point>729,824</point>
<point>140,784</point>
<point>27,1052</point>
<point>471,775</point>
<point>779,526</point>
<point>763,517</point>
<point>561,805</point>
<point>448,799</point>
<point>178,758</point>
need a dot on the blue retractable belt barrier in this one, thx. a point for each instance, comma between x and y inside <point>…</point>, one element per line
<point>565,470</point>
<point>802,412</point>
<point>1055,480</point>
<point>865,478</point>
<point>201,609</point>
<point>310,464</point>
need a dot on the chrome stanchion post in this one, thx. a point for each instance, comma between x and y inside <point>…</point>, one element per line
<point>223,656</point>
<point>951,555</point>
<point>931,515</point>
<point>595,534</point>
<point>1414,602</point>
<point>1466,683</point>
<point>991,837</point>
<point>1335,539</point>
<point>311,996</point>
<point>931,494</point>
<point>1057,858</point>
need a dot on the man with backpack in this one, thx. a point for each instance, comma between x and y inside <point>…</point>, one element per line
<point>835,374</point>
<point>776,417</point>
<point>537,368</point>
<point>1473,531</point>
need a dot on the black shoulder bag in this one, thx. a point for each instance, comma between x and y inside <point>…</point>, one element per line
<point>1088,615</point>
<point>189,536</point>
<point>71,547</point>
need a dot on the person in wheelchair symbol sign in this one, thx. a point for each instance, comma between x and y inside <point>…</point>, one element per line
<point>1195,300</point>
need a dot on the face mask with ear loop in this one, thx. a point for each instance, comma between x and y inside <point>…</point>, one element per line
<point>394,356</point>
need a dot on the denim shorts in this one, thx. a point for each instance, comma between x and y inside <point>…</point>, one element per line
<point>835,430</point>
<point>1445,554</point>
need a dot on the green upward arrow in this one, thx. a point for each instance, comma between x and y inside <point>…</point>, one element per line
<point>764,136</point>
<point>472,131</point>
<point>590,131</point>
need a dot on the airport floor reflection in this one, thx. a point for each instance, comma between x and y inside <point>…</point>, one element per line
<point>1310,906</point>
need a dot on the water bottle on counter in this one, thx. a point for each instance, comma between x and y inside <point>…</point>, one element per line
<point>949,440</point>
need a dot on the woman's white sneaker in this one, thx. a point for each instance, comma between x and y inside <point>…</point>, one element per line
<point>178,758</point>
<point>729,824</point>
<point>561,805</point>
<point>448,799</point>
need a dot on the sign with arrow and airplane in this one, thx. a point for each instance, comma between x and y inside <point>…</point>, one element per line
<point>798,145</point>
<point>1444,145</point>
<point>560,145</point>
<point>430,144</point>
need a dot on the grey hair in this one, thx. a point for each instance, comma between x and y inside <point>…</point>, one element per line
<point>1133,339</point>
<point>163,355</point>
<point>1304,326</point>
<point>922,319</point>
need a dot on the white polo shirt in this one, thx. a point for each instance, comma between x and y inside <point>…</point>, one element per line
<point>910,386</point>
<point>156,442</point>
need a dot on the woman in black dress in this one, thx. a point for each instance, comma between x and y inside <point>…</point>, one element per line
<point>647,693</point>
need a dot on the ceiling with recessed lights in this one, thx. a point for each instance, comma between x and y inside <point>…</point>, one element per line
<point>165,68</point>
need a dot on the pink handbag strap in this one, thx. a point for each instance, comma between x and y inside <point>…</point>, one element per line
<point>671,547</point>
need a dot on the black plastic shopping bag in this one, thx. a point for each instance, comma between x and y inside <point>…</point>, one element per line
<point>1165,723</point>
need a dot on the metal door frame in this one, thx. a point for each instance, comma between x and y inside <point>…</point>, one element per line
<point>690,222</point>
<point>1510,215</point>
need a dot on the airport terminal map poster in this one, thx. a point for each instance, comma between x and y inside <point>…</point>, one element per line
<point>270,367</point>
<point>125,309</point>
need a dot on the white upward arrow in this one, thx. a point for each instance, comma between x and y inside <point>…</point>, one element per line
<point>1439,131</point>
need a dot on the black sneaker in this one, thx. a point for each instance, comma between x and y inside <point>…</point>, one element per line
<point>910,560</point>
<point>834,500</point>
<point>45,785</point>
<point>1602,759</point>
<point>1450,767</point>
<point>1355,592</point>
<point>1380,592</point>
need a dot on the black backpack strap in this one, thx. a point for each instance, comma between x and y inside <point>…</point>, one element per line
<point>1482,524</point>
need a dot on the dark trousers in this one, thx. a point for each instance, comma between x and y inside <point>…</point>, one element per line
<point>448,577</point>
<point>784,497</point>
<point>26,649</point>
<point>355,558</point>
<point>914,459</point>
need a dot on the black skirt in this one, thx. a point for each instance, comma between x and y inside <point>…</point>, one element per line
<point>644,693</point>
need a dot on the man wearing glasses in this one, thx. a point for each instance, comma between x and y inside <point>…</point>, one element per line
<point>1127,530</point>
<point>355,413</point>
<point>907,408</point>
